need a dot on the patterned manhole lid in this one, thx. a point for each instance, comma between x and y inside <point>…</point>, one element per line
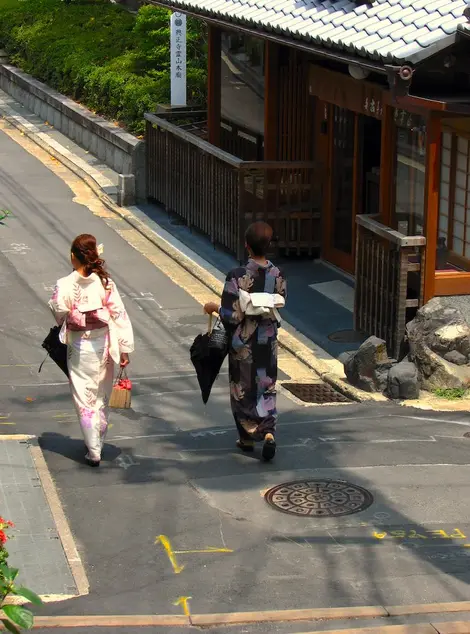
<point>315,393</point>
<point>347,336</point>
<point>319,498</point>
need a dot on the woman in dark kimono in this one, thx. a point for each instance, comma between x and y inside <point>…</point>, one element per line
<point>253,349</point>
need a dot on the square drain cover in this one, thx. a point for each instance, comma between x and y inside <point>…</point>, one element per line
<point>315,393</point>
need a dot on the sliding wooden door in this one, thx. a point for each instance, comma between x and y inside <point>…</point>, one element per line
<point>341,201</point>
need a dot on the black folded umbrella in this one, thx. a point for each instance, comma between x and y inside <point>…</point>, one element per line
<point>56,350</point>
<point>207,359</point>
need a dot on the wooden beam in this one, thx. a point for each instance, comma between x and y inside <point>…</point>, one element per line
<point>451,283</point>
<point>431,201</point>
<point>362,97</point>
<point>387,154</point>
<point>214,81</point>
<point>271,101</point>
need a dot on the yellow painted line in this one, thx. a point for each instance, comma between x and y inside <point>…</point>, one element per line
<point>16,365</point>
<point>62,525</point>
<point>18,437</point>
<point>165,542</point>
<point>184,602</point>
<point>204,550</point>
<point>7,423</point>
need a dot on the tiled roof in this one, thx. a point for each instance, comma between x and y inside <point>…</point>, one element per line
<point>394,31</point>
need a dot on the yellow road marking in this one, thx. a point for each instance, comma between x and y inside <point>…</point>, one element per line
<point>204,550</point>
<point>183,601</point>
<point>165,542</point>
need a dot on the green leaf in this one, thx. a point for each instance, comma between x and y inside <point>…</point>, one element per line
<point>31,596</point>
<point>10,626</point>
<point>20,616</point>
<point>9,574</point>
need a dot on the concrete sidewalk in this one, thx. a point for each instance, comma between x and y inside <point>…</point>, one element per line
<point>40,543</point>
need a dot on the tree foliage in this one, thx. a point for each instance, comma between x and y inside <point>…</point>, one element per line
<point>115,63</point>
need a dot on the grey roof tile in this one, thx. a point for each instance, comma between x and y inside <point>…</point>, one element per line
<point>390,30</point>
<point>413,36</point>
<point>412,19</point>
<point>433,36</point>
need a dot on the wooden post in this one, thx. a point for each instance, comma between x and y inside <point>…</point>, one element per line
<point>271,102</point>
<point>431,201</point>
<point>214,81</point>
<point>387,165</point>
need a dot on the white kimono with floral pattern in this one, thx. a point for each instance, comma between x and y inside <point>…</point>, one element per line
<point>91,353</point>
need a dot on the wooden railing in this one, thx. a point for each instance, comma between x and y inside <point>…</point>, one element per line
<point>240,141</point>
<point>389,281</point>
<point>219,194</point>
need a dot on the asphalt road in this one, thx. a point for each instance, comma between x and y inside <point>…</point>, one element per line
<point>170,466</point>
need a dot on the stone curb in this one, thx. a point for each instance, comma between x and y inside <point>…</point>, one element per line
<point>276,616</point>
<point>286,340</point>
<point>457,627</point>
<point>63,529</point>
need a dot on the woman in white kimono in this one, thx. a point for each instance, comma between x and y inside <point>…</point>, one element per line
<point>98,334</point>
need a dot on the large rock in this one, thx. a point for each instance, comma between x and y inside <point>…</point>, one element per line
<point>436,332</point>
<point>368,368</point>
<point>403,381</point>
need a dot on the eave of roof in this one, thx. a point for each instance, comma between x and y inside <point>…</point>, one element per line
<point>394,32</point>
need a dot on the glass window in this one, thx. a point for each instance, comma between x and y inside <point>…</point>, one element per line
<point>410,171</point>
<point>242,96</point>
<point>453,239</point>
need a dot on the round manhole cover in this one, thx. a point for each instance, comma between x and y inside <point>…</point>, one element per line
<point>319,498</point>
<point>347,336</point>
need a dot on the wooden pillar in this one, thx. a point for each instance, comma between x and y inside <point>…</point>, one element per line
<point>214,85</point>
<point>431,201</point>
<point>271,101</point>
<point>387,166</point>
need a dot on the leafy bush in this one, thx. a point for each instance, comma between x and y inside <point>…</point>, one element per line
<point>115,63</point>
<point>17,616</point>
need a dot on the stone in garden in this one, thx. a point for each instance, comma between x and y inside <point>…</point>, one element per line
<point>367,369</point>
<point>455,357</point>
<point>438,338</point>
<point>403,381</point>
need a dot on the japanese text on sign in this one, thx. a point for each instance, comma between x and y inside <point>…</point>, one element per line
<point>178,59</point>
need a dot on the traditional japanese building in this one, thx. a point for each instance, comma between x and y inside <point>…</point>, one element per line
<point>344,124</point>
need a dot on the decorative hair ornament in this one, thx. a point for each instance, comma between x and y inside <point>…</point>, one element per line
<point>100,249</point>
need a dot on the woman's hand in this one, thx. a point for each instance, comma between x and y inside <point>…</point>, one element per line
<point>211,307</point>
<point>124,360</point>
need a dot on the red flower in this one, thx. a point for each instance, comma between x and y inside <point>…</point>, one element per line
<point>3,537</point>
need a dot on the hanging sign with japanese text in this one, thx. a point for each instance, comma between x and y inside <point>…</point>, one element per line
<point>341,90</point>
<point>178,59</point>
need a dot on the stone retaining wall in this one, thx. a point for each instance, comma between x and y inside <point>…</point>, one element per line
<point>119,150</point>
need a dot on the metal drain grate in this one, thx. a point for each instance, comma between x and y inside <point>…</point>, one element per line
<point>315,393</point>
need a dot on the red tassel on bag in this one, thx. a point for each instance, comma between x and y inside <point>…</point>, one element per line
<point>123,384</point>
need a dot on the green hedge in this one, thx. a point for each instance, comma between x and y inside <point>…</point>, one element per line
<point>115,63</point>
